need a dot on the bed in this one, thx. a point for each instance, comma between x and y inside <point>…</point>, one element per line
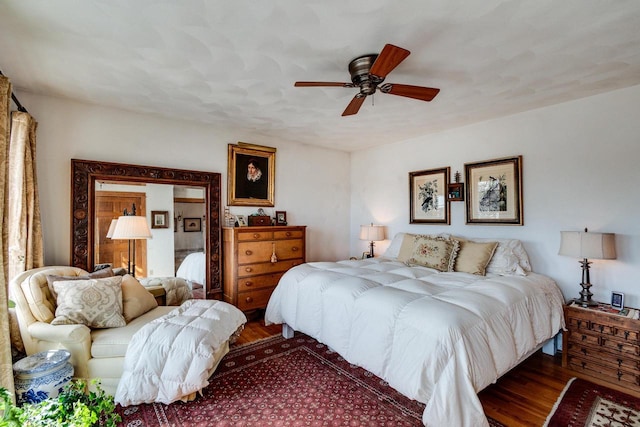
<point>436,336</point>
<point>193,270</point>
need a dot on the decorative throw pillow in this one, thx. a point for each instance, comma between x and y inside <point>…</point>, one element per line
<point>136,300</point>
<point>473,257</point>
<point>99,274</point>
<point>96,303</point>
<point>438,253</point>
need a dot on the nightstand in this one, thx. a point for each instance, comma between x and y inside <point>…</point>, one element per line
<point>603,345</point>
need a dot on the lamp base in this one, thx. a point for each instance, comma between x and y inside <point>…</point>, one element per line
<point>585,296</point>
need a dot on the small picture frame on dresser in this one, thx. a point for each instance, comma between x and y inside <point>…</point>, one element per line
<point>617,300</point>
<point>281,217</point>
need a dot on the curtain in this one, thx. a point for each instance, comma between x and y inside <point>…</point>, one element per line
<point>6,365</point>
<point>22,247</point>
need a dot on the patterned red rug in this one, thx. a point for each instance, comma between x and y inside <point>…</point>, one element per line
<point>278,382</point>
<point>583,403</point>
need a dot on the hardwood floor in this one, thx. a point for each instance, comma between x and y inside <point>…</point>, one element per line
<point>522,397</point>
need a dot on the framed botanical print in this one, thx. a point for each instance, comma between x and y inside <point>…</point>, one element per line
<point>494,191</point>
<point>251,175</point>
<point>159,219</point>
<point>428,191</point>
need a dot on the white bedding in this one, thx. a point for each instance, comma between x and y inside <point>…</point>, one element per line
<point>174,355</point>
<point>435,337</point>
<point>193,268</point>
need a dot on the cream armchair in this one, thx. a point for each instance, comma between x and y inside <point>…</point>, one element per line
<point>95,353</point>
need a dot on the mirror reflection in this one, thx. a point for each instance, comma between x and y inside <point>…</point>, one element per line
<point>176,215</point>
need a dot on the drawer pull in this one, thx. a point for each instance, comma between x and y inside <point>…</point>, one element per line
<point>249,299</point>
<point>619,375</point>
<point>620,347</point>
<point>584,365</point>
<point>256,236</point>
<point>248,283</point>
<point>288,234</point>
<point>619,363</point>
<point>584,337</point>
<point>584,351</point>
<point>602,341</point>
<point>248,269</point>
<point>294,249</point>
<point>248,252</point>
<point>601,329</point>
<point>579,323</point>
<point>626,335</point>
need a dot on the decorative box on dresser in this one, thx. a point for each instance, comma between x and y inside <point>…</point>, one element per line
<point>251,272</point>
<point>602,345</point>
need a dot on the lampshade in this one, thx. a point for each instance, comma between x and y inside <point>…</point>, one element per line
<point>131,227</point>
<point>373,233</point>
<point>582,244</point>
<point>112,227</point>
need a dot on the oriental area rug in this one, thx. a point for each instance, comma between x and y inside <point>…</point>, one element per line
<point>278,382</point>
<point>583,403</point>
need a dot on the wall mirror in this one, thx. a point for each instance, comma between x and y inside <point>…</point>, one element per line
<point>196,198</point>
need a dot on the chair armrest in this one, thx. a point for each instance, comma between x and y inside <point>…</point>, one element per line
<point>74,338</point>
<point>60,333</point>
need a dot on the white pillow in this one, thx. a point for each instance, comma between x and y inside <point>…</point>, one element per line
<point>509,258</point>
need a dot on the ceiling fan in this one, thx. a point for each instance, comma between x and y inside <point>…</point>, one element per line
<point>369,71</point>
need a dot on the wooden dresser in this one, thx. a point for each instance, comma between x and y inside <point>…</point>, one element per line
<point>249,275</point>
<point>602,345</point>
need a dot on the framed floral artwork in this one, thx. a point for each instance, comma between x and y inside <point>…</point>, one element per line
<point>494,191</point>
<point>428,192</point>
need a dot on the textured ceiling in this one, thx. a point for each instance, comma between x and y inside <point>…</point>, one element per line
<point>233,63</point>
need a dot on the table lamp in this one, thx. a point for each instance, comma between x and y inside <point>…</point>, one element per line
<point>585,245</point>
<point>373,233</point>
<point>130,227</point>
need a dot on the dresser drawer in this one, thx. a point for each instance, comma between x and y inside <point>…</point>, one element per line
<point>257,282</point>
<point>253,236</point>
<point>605,357</point>
<point>288,234</point>
<point>266,268</point>
<point>623,377</point>
<point>254,299</point>
<point>252,252</point>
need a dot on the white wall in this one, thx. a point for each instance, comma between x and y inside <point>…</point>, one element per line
<point>580,165</point>
<point>312,184</point>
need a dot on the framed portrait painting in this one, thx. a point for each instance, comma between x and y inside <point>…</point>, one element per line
<point>251,175</point>
<point>428,191</point>
<point>494,191</point>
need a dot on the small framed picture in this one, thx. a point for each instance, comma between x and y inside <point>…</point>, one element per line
<point>281,218</point>
<point>617,300</point>
<point>456,192</point>
<point>192,224</point>
<point>241,220</point>
<point>159,219</point>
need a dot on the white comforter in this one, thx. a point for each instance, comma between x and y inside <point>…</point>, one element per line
<point>435,337</point>
<point>172,356</point>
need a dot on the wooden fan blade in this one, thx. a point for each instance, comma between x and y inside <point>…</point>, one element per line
<point>415,92</point>
<point>354,105</point>
<point>318,84</point>
<point>388,59</point>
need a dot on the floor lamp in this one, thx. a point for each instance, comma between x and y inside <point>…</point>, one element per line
<point>130,227</point>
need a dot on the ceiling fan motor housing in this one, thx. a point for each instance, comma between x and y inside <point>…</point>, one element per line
<point>359,70</point>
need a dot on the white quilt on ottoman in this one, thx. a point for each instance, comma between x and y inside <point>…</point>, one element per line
<point>172,356</point>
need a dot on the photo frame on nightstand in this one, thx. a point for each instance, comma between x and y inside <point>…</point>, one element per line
<point>617,300</point>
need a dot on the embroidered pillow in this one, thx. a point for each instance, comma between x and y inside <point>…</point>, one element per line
<point>438,253</point>
<point>136,300</point>
<point>473,257</point>
<point>96,303</point>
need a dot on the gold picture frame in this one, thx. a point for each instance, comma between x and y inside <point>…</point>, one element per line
<point>494,191</point>
<point>428,196</point>
<point>251,175</point>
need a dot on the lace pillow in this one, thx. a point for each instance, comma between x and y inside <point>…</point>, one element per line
<point>438,253</point>
<point>96,303</point>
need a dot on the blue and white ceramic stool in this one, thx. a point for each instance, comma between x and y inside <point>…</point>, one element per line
<point>42,375</point>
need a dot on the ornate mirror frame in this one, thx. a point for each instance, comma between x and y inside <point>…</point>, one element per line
<point>85,173</point>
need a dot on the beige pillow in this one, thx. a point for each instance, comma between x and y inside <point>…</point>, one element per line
<point>96,303</point>
<point>434,252</point>
<point>473,257</point>
<point>105,272</point>
<point>136,300</point>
